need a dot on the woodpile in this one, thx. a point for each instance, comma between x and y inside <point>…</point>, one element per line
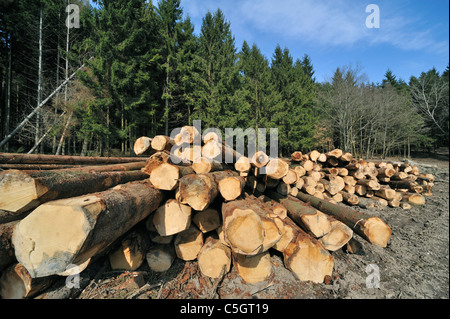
<point>339,177</point>
<point>55,220</point>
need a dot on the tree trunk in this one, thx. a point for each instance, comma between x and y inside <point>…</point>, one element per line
<point>371,228</point>
<point>21,191</point>
<point>71,231</point>
<point>64,133</point>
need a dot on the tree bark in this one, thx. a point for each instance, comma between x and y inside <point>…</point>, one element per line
<point>21,191</point>
<point>6,250</point>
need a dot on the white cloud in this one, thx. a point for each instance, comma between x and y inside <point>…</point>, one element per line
<point>322,23</point>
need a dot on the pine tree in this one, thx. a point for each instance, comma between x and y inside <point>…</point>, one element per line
<point>216,77</point>
<point>124,73</point>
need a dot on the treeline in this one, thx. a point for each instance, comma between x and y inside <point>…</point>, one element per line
<point>147,72</point>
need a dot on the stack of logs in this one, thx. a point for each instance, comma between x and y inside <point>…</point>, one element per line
<point>54,222</point>
<point>339,177</point>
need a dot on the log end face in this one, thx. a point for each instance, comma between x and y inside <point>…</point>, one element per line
<point>19,192</point>
<point>245,232</point>
<point>310,262</point>
<point>54,236</point>
<point>377,231</point>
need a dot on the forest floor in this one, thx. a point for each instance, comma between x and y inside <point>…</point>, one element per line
<point>414,265</point>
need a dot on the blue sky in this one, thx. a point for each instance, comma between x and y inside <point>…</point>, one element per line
<point>413,35</point>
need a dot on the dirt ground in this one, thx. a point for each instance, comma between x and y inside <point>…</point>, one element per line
<point>415,264</point>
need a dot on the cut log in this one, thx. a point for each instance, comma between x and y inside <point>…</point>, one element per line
<point>349,180</point>
<point>188,243</point>
<point>198,190</point>
<point>6,250</point>
<point>346,157</point>
<point>172,218</point>
<point>205,165</point>
<point>406,184</point>
<point>314,155</point>
<point>338,236</point>
<point>306,257</point>
<point>131,252</point>
<point>188,135</point>
<point>343,171</point>
<point>360,190</point>
<point>155,160</point>
<point>307,165</point>
<point>291,177</point>
<point>330,187</point>
<point>413,198</point>
<point>337,180</point>
<point>349,189</point>
<point>287,235</point>
<point>349,198</point>
<point>304,215</point>
<point>247,228</point>
<point>336,153</point>
<point>220,152</point>
<point>166,176</point>
<point>21,191</point>
<point>300,170</point>
<point>398,176</point>
<point>317,176</point>
<point>385,172</point>
<point>12,158</point>
<point>297,156</point>
<point>160,257</point>
<point>353,246</point>
<point>16,283</point>
<point>259,159</point>
<point>371,228</point>
<point>207,220</point>
<point>143,146</point>
<point>277,168</point>
<point>283,188</point>
<point>405,206</point>
<point>322,158</point>
<point>369,183</point>
<point>231,187</point>
<point>253,269</point>
<point>242,164</point>
<point>214,259</point>
<point>37,167</point>
<point>386,192</point>
<point>71,231</point>
<point>162,143</point>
